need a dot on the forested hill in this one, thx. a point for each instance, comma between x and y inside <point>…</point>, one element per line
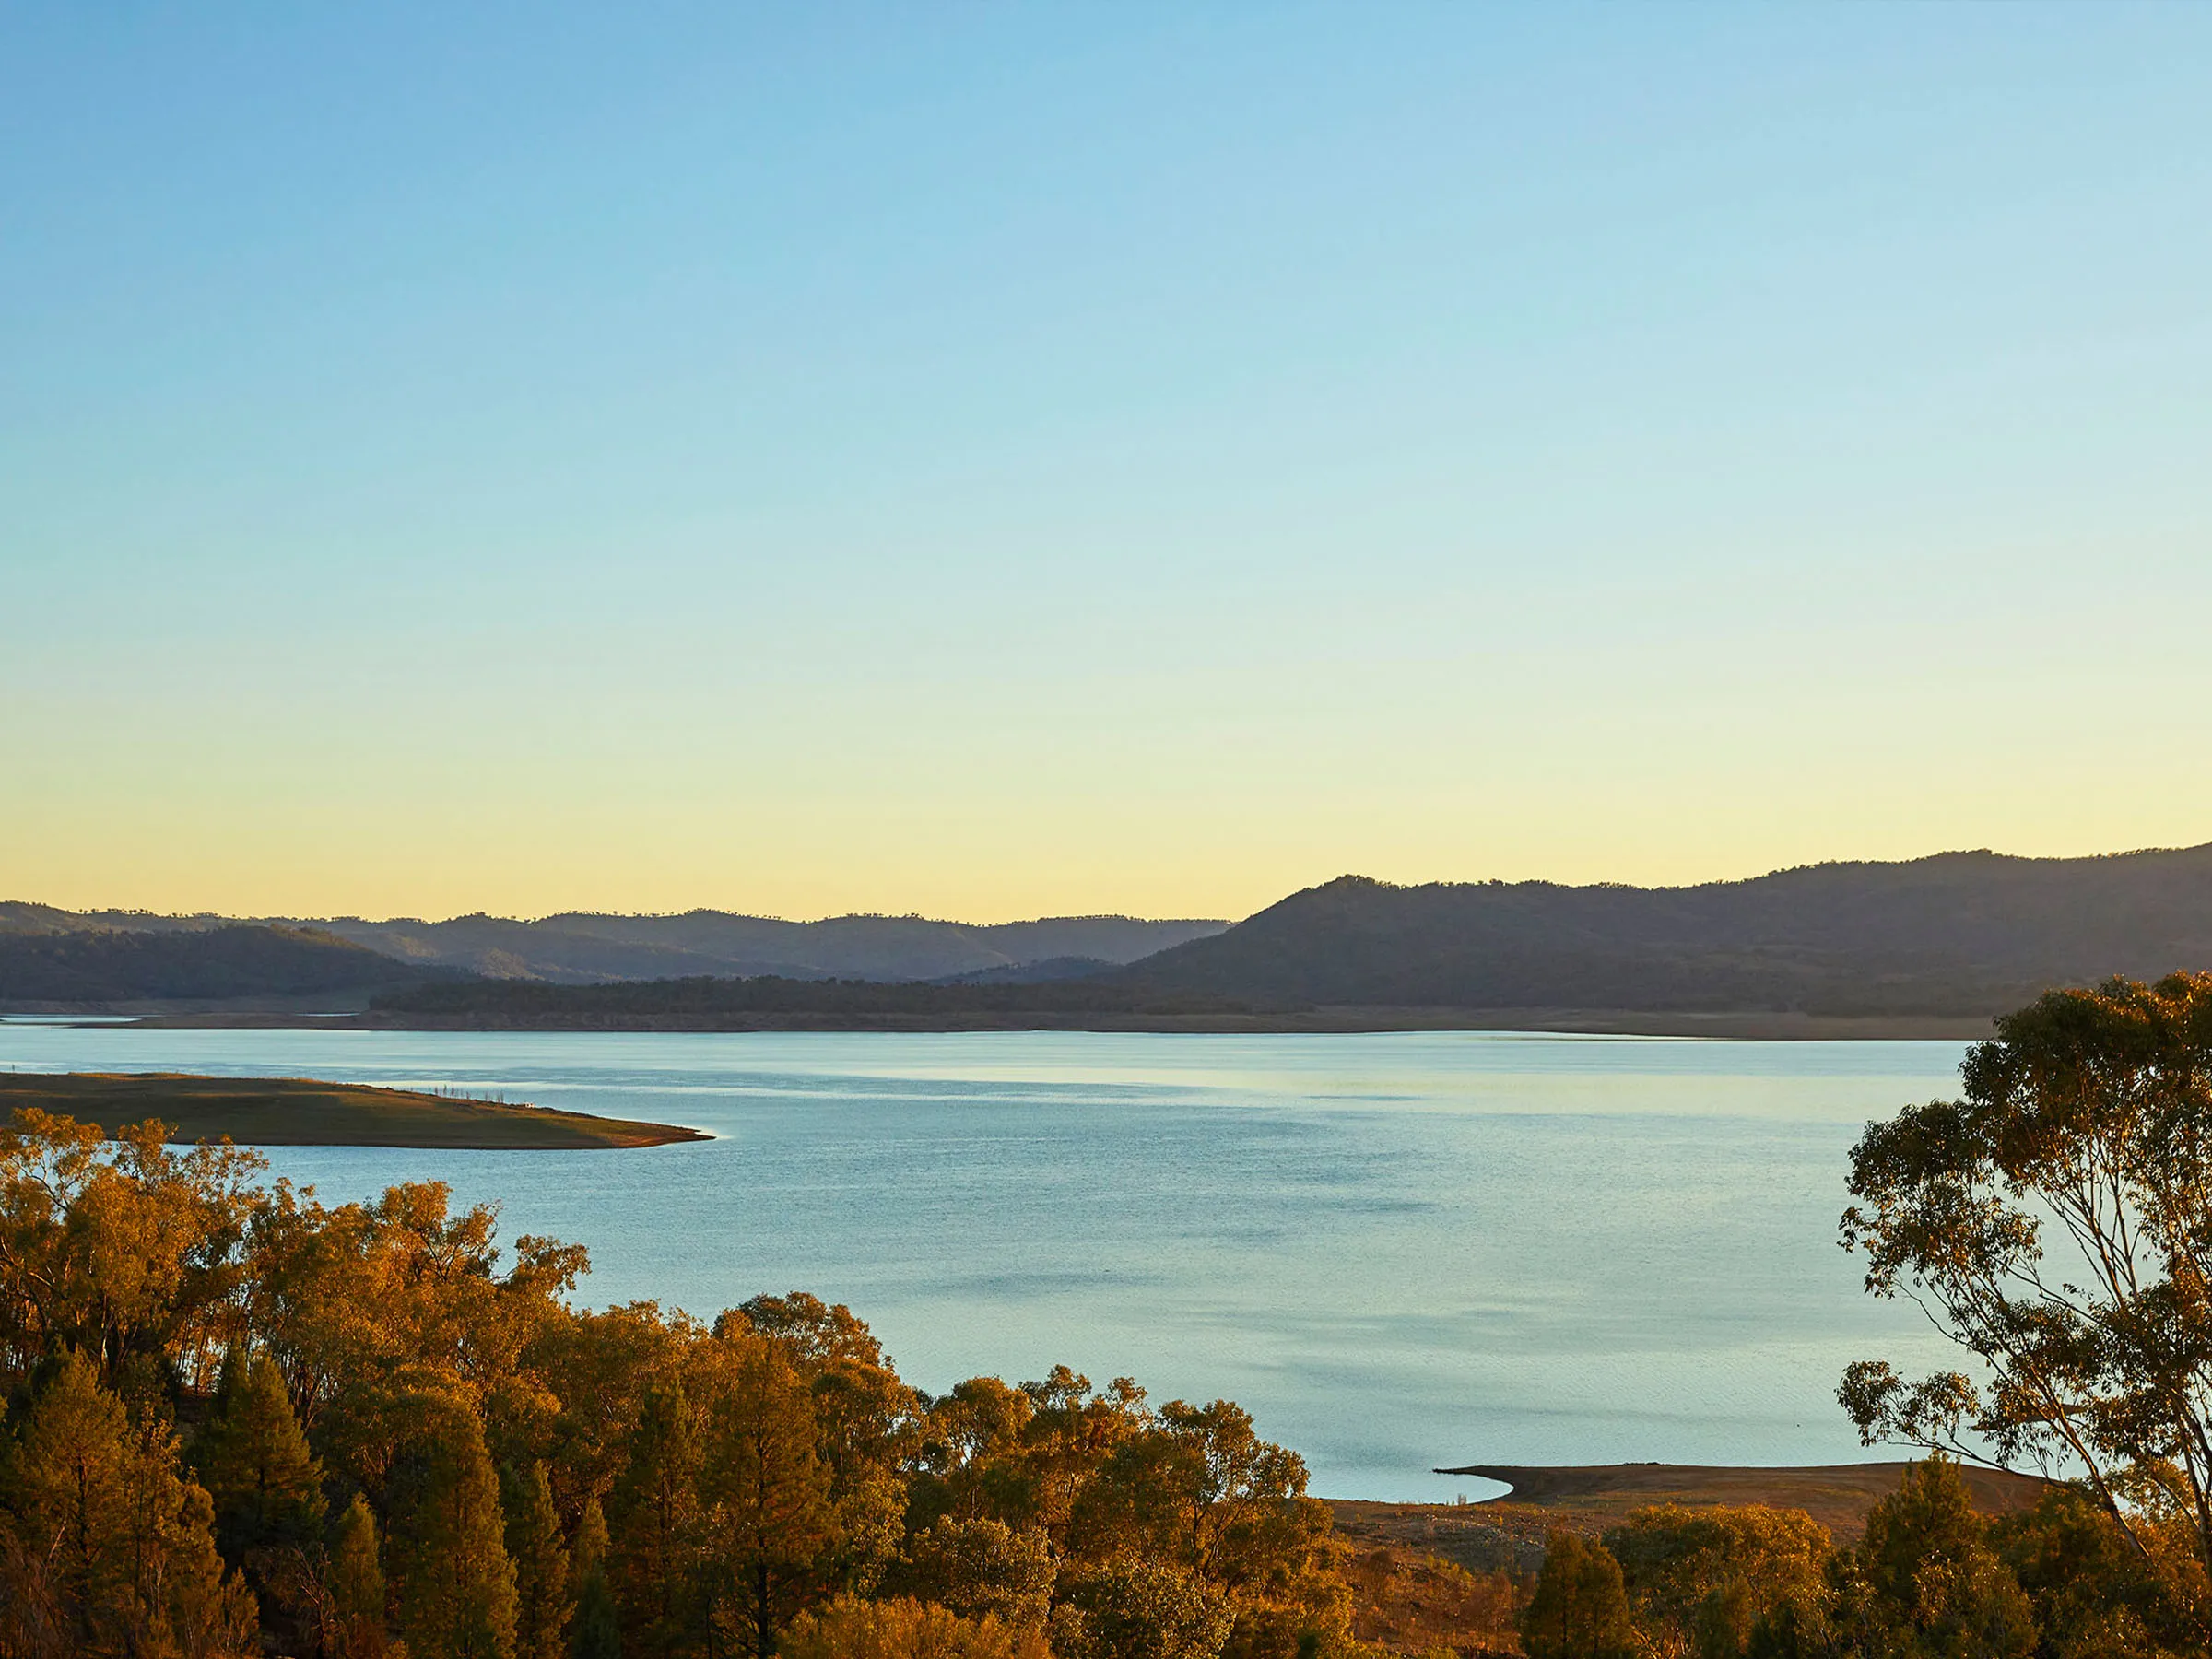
<point>1964,934</point>
<point>1960,935</point>
<point>92,969</point>
<point>580,948</point>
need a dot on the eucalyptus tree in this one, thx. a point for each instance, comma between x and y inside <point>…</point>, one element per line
<point>2056,1223</point>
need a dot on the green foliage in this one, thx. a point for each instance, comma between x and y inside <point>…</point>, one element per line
<point>390,1357</point>
<point>653,1518</point>
<point>849,1628</point>
<point>543,1600</point>
<point>862,1415</point>
<point>109,1550</point>
<point>1796,1629</point>
<point>358,1607</point>
<point>104,965</point>
<point>764,1489</point>
<point>256,1464</point>
<point>266,1487</point>
<point>1581,1608</point>
<point>124,1250</point>
<point>2094,1593</point>
<point>597,1632</point>
<point>1923,1584</point>
<point>451,1580</point>
<point>1133,1608</point>
<point>985,1567</point>
<point>1702,1581</point>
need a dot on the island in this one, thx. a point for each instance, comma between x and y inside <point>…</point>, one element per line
<point>306,1111</point>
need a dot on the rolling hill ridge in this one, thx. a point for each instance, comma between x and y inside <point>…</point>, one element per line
<point>580,947</point>
<point>106,968</point>
<point>1958,934</point>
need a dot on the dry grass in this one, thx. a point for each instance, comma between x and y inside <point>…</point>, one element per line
<point>1414,1602</point>
<point>301,1112</point>
<point>1836,1495</point>
<point>1433,1576</point>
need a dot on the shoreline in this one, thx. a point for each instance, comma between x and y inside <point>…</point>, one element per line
<point>308,1111</point>
<point>1758,1026</point>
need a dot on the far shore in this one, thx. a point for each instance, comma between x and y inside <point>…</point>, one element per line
<point>1749,1025</point>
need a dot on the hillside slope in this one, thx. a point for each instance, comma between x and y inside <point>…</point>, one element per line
<point>1956,934</point>
<point>580,947</point>
<point>83,967</point>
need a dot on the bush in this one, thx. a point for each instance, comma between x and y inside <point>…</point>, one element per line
<point>1925,1580</point>
<point>1580,1610</point>
<point>1134,1609</point>
<point>904,1629</point>
<point>1702,1579</point>
<point>2094,1593</point>
<point>985,1567</point>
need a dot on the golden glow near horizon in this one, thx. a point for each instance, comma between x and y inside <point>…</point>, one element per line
<point>961,820</point>
<point>1093,462</point>
<point>1074,760</point>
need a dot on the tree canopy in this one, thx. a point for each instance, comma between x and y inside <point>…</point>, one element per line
<point>240,1417</point>
<point>2055,1221</point>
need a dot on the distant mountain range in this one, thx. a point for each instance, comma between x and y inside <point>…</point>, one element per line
<point>1959,934</point>
<point>580,947</point>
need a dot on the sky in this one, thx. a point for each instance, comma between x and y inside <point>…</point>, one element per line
<point>1003,460</point>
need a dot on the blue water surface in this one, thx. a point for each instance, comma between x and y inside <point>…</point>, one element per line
<point>1399,1249</point>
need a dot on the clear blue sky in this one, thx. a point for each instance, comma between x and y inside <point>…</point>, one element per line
<point>996,461</point>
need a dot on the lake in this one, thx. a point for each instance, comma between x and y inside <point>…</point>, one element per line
<point>1398,1251</point>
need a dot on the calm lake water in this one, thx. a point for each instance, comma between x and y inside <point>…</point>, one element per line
<point>1398,1251</point>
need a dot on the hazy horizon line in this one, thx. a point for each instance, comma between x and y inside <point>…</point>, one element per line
<point>879,915</point>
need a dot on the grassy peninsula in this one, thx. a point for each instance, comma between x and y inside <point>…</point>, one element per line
<point>303,1112</point>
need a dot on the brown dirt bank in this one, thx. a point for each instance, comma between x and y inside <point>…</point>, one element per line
<point>1752,1025</point>
<point>1508,1532</point>
<point>303,1112</point>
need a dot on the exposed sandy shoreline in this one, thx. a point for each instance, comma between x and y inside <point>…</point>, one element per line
<point>1753,1024</point>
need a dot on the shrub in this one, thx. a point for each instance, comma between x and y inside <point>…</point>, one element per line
<point>1701,1579</point>
<point>985,1567</point>
<point>902,1629</point>
<point>1136,1609</point>
<point>1580,1610</point>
